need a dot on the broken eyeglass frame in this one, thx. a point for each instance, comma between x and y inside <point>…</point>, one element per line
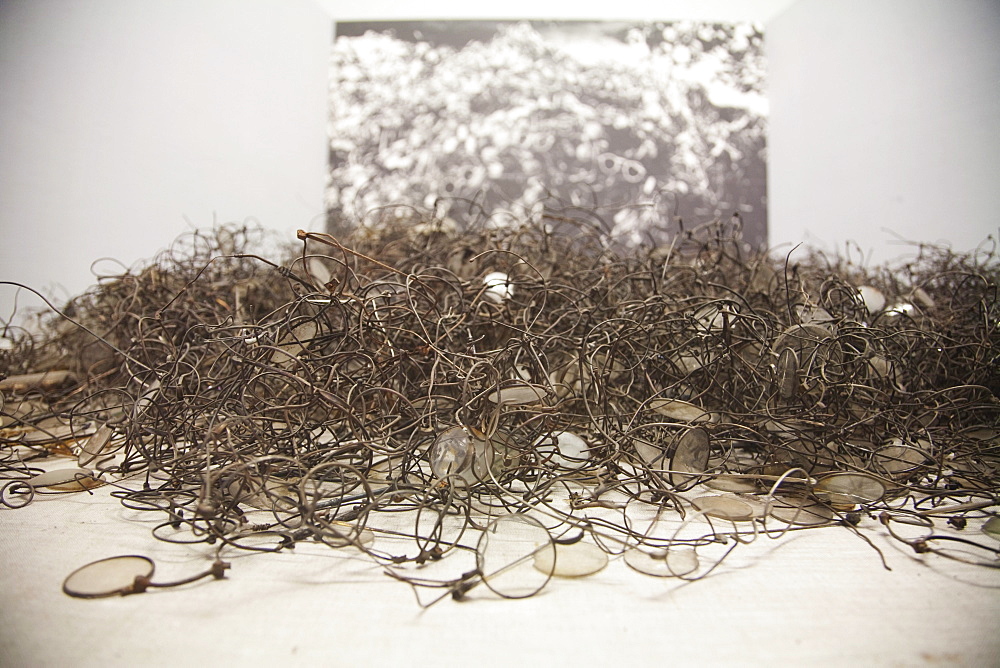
<point>917,531</point>
<point>125,575</point>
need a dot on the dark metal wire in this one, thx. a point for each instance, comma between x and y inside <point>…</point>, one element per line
<point>306,398</point>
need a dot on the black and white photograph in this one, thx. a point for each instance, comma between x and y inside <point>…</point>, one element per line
<point>646,126</point>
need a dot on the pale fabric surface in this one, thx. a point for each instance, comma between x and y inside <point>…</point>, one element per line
<point>813,598</point>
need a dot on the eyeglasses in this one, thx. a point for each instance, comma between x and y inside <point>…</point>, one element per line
<point>530,371</point>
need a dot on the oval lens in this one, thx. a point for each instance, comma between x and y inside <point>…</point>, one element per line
<point>899,457</point>
<point>872,298</point>
<point>724,508</point>
<point>342,534</point>
<point>507,553</point>
<point>672,563</point>
<point>691,455</point>
<point>95,445</point>
<point>107,577</point>
<point>61,477</point>
<point>787,373</point>
<point>849,488</point>
<point>564,449</point>
<point>518,394</point>
<point>318,271</point>
<point>682,411</point>
<point>800,511</point>
<point>729,483</point>
<point>571,561</point>
<point>909,527</point>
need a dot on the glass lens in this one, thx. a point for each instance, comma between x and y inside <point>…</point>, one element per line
<point>800,511</point>
<point>850,488</point>
<point>898,457</point>
<point>724,507</point>
<point>507,553</point>
<point>728,483</point>
<point>58,477</point>
<point>787,376</point>
<point>518,394</point>
<point>342,534</point>
<point>452,452</point>
<point>107,577</point>
<point>992,527</point>
<point>682,411</point>
<point>571,561</point>
<point>98,443</point>
<point>563,448</point>
<point>672,563</point>
<point>692,455</point>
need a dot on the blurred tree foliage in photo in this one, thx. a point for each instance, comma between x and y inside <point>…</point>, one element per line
<point>638,123</point>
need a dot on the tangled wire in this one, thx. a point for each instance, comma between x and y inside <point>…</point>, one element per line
<point>530,397</point>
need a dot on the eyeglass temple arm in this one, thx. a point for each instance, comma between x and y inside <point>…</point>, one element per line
<point>142,582</point>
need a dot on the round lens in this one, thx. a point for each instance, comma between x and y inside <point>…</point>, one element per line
<point>107,577</point>
<point>507,554</point>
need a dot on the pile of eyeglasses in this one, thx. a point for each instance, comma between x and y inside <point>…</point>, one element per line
<point>524,402</point>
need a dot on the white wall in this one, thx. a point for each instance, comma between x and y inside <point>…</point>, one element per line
<point>700,10</point>
<point>885,123</point>
<point>125,122</point>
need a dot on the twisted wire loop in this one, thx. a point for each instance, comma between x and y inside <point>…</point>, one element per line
<point>401,388</point>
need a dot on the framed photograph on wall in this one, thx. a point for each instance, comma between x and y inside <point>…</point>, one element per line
<point>646,127</point>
